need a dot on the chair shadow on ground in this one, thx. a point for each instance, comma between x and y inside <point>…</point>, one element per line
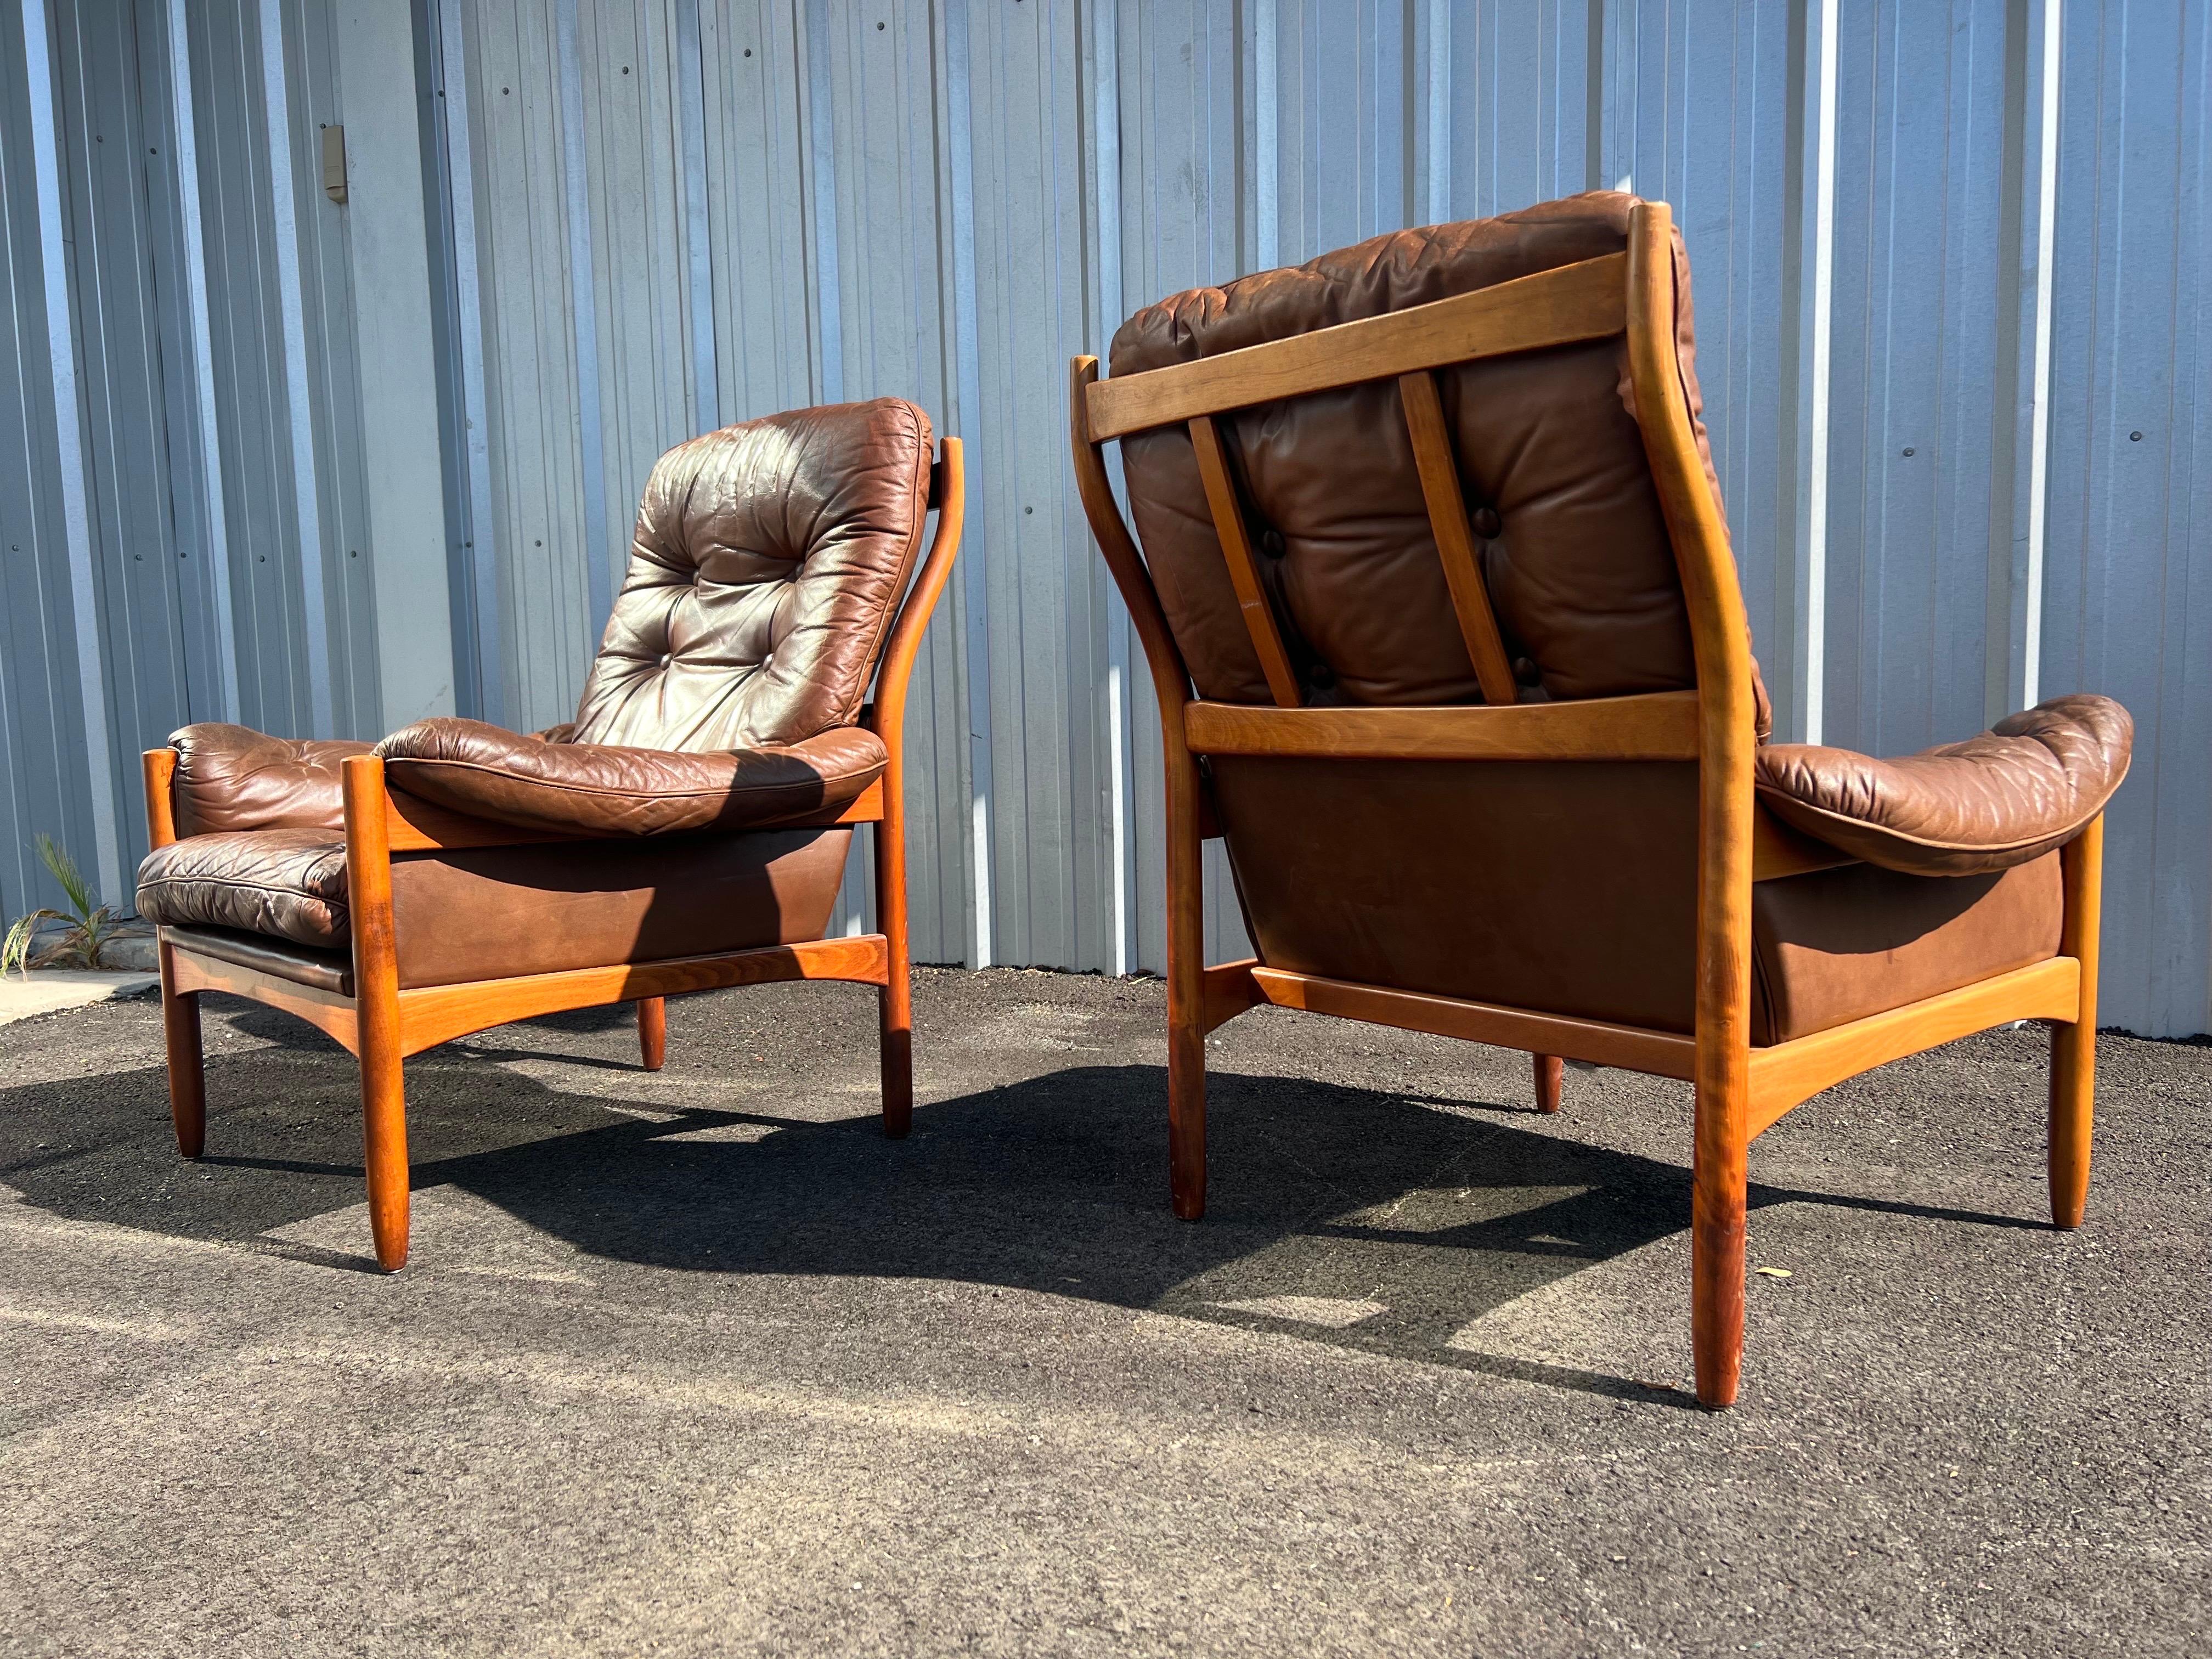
<point>1362,1220</point>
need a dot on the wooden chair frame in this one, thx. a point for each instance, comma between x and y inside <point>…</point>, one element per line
<point>382,1023</point>
<point>1740,1090</point>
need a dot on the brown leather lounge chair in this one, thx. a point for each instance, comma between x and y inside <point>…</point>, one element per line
<point>689,830</point>
<point>1440,607</point>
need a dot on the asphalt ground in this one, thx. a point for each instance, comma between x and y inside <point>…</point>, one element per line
<point>699,1363</point>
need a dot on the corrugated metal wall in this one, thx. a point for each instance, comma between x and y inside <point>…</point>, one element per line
<point>1950,333</point>
<point>179,423</point>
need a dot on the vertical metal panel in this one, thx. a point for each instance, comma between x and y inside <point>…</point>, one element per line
<point>2130,560</point>
<point>1696,103</point>
<point>540,520</point>
<point>255,450</point>
<point>201,431</point>
<point>42,100</point>
<point>1918,343</point>
<point>45,784</point>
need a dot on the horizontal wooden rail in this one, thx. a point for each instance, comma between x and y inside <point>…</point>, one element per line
<point>1582,301</point>
<point>433,1014</point>
<point>1790,1073</point>
<point>1228,989</point>
<point>1658,725</point>
<point>326,1011</point>
<point>1663,1053</point>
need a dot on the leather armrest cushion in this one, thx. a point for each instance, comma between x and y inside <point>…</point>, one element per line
<point>2029,784</point>
<point>232,778</point>
<point>601,789</point>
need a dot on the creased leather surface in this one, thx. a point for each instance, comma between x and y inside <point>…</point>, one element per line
<point>231,777</point>
<point>490,911</point>
<point>1838,946</point>
<point>288,883</point>
<point>1575,550</point>
<point>2027,785</point>
<point>769,559</point>
<point>596,789</point>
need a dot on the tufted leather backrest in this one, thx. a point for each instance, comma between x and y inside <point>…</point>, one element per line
<point>1575,550</point>
<point>768,561</point>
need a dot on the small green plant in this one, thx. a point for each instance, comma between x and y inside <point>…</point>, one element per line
<point>87,926</point>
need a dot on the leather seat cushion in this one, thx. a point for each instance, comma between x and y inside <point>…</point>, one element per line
<point>769,559</point>
<point>493,913</point>
<point>281,883</point>
<point>231,777</point>
<point>2027,785</point>
<point>593,789</point>
<point>1840,944</point>
<point>1576,553</point>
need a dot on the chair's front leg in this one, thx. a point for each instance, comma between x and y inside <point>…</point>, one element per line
<point>180,1026</point>
<point>376,1007</point>
<point>1718,1202</point>
<point>2073,1048</point>
<point>652,1032</point>
<point>894,1002</point>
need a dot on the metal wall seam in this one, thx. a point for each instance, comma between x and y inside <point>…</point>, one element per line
<point>185,138</point>
<point>292,306</point>
<point>1267,136</point>
<point>2036,197</point>
<point>478,537</point>
<point>69,436</point>
<point>1442,108</point>
<point>821,169</point>
<point>1815,321</point>
<point>583,305</point>
<point>1106,261</point>
<point>975,589</point>
<point>692,131</point>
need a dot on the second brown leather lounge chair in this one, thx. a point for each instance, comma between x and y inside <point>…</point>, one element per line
<point>688,830</point>
<point>1441,611</point>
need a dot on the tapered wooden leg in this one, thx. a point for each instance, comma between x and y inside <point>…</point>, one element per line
<point>181,1025</point>
<point>894,1002</point>
<point>1186,989</point>
<point>2073,1048</point>
<point>384,1144</point>
<point>652,1031</point>
<point>1551,1076</point>
<point>1717,1206</point>
<point>376,1007</point>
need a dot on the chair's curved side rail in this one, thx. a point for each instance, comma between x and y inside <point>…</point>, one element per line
<point>948,494</point>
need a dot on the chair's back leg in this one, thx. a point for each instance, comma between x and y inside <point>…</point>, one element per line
<point>2073,1048</point>
<point>652,1032</point>
<point>1550,1078</point>
<point>181,1025</point>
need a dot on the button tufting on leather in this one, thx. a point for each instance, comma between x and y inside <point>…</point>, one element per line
<point>1270,544</point>
<point>1321,676</point>
<point>1486,523</point>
